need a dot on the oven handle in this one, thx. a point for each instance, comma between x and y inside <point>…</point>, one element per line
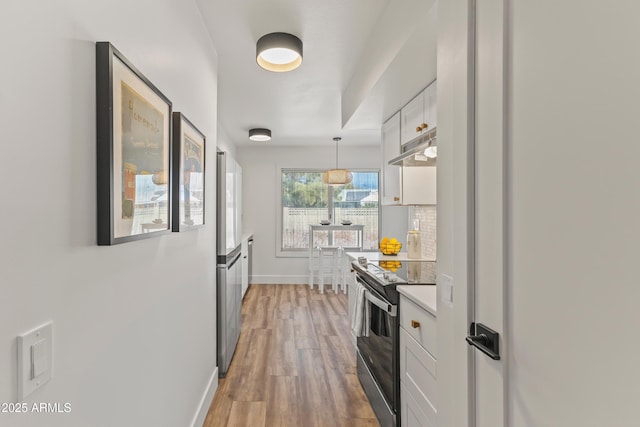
<point>389,308</point>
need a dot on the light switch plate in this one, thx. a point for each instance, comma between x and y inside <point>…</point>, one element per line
<point>39,358</point>
<point>35,359</point>
<point>445,288</point>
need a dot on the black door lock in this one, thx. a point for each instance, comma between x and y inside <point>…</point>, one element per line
<point>484,339</point>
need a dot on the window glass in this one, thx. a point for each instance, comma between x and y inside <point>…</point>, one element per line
<point>358,202</point>
<point>307,200</point>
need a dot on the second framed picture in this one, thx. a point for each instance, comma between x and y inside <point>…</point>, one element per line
<point>188,175</point>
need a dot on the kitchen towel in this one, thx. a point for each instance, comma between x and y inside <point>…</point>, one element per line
<point>361,312</point>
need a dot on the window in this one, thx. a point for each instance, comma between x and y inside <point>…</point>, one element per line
<point>306,200</point>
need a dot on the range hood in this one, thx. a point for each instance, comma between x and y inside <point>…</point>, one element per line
<point>413,151</point>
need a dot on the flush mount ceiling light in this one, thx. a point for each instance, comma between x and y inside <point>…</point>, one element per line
<point>260,134</point>
<point>279,52</point>
<point>337,176</point>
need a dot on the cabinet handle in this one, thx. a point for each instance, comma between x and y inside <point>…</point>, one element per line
<point>419,128</point>
<point>415,324</point>
<point>396,199</point>
<point>424,126</point>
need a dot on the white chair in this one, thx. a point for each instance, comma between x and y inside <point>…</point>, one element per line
<point>313,264</point>
<point>329,266</point>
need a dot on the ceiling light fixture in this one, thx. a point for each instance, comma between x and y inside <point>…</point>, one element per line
<point>279,52</point>
<point>260,134</point>
<point>337,176</point>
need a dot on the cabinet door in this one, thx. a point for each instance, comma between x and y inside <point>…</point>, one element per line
<point>412,117</point>
<point>412,414</point>
<point>430,111</point>
<point>244,253</point>
<point>419,185</point>
<point>391,175</point>
<point>245,273</point>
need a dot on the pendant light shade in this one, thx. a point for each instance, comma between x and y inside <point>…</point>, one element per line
<point>279,52</point>
<point>337,176</point>
<point>260,134</point>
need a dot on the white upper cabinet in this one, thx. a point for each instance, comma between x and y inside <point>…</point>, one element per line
<point>430,110</point>
<point>412,118</point>
<point>408,184</point>
<point>419,185</point>
<point>391,175</point>
<point>402,185</point>
<point>419,115</point>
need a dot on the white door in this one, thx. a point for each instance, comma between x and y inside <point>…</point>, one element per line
<point>489,375</point>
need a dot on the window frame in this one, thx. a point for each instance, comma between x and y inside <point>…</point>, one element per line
<point>304,252</point>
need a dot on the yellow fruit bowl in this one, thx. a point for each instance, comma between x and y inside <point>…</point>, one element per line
<point>390,248</point>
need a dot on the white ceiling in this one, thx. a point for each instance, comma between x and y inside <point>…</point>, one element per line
<point>363,59</point>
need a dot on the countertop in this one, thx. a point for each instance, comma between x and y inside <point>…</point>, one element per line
<point>378,256</point>
<point>423,295</point>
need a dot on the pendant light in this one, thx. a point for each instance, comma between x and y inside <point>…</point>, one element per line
<point>279,52</point>
<point>337,176</point>
<point>260,134</point>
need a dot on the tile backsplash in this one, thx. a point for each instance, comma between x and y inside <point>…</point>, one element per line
<point>426,216</point>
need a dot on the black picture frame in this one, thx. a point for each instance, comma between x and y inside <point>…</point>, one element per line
<point>133,151</point>
<point>189,173</point>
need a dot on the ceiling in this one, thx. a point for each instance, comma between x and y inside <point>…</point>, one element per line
<point>363,60</point>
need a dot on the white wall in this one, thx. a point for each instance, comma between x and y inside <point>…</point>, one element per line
<point>260,168</point>
<point>134,324</point>
<point>224,142</point>
<point>395,223</point>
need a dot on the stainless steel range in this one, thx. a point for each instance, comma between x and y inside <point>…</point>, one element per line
<point>378,359</point>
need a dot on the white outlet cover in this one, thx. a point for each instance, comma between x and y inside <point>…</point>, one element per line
<point>35,359</point>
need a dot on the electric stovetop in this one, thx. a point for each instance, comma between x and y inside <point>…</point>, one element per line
<point>385,275</point>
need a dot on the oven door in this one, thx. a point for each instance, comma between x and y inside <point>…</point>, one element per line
<point>379,349</point>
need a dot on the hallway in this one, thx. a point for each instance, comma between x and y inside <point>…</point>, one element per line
<point>294,364</point>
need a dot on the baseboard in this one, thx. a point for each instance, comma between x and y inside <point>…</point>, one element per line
<point>280,280</point>
<point>205,402</point>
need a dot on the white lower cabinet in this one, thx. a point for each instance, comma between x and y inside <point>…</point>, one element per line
<point>244,253</point>
<point>418,373</point>
<point>412,414</point>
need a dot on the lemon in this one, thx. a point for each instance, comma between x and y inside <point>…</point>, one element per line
<point>393,241</point>
<point>384,241</point>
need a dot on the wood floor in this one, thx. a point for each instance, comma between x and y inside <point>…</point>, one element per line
<point>294,364</point>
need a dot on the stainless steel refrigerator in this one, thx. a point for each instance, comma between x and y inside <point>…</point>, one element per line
<point>229,270</point>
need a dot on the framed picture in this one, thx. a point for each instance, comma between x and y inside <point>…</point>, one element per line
<point>133,151</point>
<point>188,174</point>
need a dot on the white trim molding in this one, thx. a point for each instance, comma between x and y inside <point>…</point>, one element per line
<point>205,402</point>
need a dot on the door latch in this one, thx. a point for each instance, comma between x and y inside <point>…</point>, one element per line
<point>484,339</point>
